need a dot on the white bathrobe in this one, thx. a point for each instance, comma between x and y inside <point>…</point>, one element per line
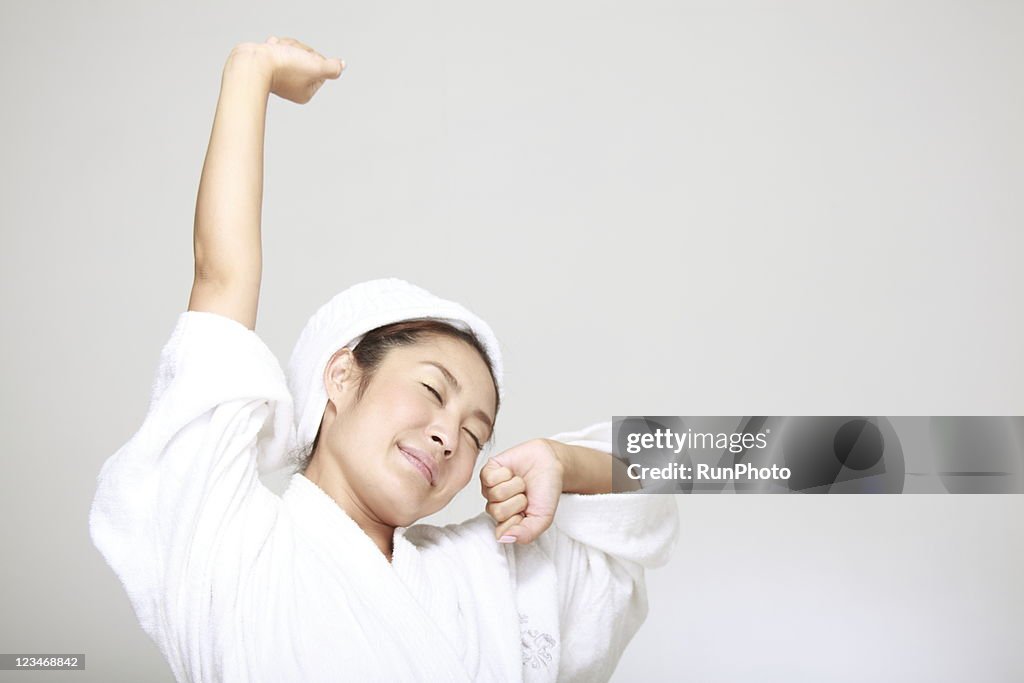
<point>235,583</point>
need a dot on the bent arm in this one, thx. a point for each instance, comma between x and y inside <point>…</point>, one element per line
<point>228,250</point>
<point>587,470</point>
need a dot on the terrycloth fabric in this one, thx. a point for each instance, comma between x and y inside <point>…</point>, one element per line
<point>343,320</point>
<point>236,584</point>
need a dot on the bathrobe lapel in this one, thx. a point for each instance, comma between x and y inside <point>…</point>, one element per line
<point>460,576</point>
<point>536,584</point>
<point>402,631</point>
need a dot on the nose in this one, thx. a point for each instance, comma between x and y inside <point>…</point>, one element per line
<point>444,434</point>
<point>444,444</point>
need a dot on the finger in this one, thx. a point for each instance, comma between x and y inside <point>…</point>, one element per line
<point>501,511</point>
<point>331,63</point>
<point>298,43</point>
<point>505,490</point>
<point>332,68</point>
<point>506,508</point>
<point>493,474</point>
<point>501,531</point>
<point>313,88</point>
<point>529,529</point>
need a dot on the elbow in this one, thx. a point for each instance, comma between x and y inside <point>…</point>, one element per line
<point>225,277</point>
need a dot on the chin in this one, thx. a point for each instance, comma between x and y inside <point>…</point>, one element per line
<point>404,512</point>
<point>406,517</point>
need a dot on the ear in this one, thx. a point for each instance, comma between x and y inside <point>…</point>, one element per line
<point>340,375</point>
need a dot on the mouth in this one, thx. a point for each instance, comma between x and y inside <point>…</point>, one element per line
<point>420,462</point>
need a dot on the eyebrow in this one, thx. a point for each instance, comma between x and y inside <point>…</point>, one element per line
<point>450,378</point>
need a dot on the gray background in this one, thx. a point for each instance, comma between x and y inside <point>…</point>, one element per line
<point>681,208</point>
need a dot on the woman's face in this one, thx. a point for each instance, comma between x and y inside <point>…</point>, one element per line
<point>411,442</point>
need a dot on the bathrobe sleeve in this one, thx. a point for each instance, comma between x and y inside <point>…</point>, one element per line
<point>180,512</point>
<point>601,544</point>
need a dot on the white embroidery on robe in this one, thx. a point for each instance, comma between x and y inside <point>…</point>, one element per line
<point>535,645</point>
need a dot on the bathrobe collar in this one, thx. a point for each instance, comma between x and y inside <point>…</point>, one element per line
<point>318,517</point>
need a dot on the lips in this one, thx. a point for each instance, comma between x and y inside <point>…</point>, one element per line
<point>422,460</point>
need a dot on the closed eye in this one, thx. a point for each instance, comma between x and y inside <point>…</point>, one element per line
<point>479,446</point>
<point>434,392</point>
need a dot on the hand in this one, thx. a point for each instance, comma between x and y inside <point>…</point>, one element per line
<point>523,486</point>
<point>296,71</point>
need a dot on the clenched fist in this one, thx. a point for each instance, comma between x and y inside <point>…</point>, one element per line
<point>295,70</point>
<point>522,486</point>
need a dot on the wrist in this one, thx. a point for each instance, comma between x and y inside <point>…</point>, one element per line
<point>564,458</point>
<point>249,62</point>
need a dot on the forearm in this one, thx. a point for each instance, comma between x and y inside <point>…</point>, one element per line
<point>586,470</point>
<point>227,244</point>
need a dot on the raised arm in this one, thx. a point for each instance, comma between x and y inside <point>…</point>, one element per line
<point>228,248</point>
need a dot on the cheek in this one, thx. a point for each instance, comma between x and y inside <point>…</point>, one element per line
<point>405,406</point>
<point>463,473</point>
<point>386,413</point>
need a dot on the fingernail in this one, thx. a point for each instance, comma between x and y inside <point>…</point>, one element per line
<point>507,539</point>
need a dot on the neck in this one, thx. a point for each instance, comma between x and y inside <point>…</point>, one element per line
<point>332,481</point>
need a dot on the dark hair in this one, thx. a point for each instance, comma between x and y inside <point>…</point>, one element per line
<point>375,345</point>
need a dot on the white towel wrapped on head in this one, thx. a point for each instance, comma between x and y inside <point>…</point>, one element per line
<point>343,321</point>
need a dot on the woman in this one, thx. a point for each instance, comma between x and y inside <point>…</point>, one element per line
<point>392,394</point>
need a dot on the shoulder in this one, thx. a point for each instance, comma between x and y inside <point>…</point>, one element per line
<point>472,531</point>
